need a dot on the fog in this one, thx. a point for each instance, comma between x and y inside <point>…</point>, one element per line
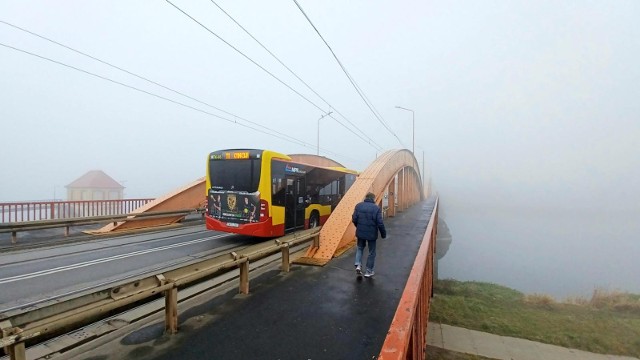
<point>527,114</point>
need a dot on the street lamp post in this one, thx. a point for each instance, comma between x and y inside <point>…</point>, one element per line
<point>413,117</point>
<point>327,114</point>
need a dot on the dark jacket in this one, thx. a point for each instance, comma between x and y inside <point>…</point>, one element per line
<point>367,217</point>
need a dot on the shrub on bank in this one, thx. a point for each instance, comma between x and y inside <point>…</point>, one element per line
<point>608,323</point>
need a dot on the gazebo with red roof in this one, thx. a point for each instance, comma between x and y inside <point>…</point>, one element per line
<point>95,185</point>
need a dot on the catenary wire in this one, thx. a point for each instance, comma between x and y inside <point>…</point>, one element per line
<point>356,87</point>
<point>264,69</point>
<point>292,139</point>
<point>351,79</point>
<point>145,79</point>
<point>378,147</point>
<point>298,142</point>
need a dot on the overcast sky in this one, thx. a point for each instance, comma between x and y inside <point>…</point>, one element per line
<point>519,105</point>
<point>508,95</point>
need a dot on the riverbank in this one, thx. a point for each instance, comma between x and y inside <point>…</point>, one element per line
<point>607,323</point>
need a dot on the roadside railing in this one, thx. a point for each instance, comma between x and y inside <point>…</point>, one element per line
<point>13,212</point>
<point>14,228</point>
<point>406,338</point>
<point>21,325</point>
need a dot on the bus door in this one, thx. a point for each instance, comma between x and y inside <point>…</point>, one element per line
<point>294,203</point>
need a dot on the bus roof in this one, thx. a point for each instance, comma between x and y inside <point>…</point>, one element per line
<point>303,159</point>
<point>251,152</point>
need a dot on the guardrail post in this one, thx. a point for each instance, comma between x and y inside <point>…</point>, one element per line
<point>285,258</point>
<point>171,311</point>
<point>17,351</point>
<point>244,277</point>
<point>66,230</point>
<point>14,237</point>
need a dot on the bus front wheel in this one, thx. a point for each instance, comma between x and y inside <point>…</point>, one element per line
<point>314,220</point>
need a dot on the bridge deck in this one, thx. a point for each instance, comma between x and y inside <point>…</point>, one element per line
<point>309,313</point>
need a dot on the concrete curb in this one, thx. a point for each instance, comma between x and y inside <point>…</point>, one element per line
<point>503,347</point>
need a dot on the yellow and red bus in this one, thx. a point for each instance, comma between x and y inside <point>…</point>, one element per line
<point>264,193</point>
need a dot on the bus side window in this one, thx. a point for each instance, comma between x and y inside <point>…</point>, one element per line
<point>290,187</point>
<point>335,187</point>
<point>278,188</point>
<point>312,194</point>
<point>350,179</point>
<point>325,194</point>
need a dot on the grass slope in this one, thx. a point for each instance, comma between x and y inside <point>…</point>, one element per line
<point>434,353</point>
<point>607,324</point>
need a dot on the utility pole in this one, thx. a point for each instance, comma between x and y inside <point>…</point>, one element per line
<point>413,119</point>
<point>423,171</point>
<point>327,114</point>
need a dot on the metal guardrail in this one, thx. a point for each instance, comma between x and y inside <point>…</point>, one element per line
<point>13,212</point>
<point>406,338</point>
<point>20,325</point>
<point>14,228</point>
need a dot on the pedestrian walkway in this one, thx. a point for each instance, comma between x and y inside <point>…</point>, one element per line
<point>310,313</point>
<point>504,347</point>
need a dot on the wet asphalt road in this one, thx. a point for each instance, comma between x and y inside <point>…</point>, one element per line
<point>309,313</point>
<point>35,274</point>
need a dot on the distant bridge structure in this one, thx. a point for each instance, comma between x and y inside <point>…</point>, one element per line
<point>395,174</point>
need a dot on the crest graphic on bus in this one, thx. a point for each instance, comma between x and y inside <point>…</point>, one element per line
<point>231,202</point>
<point>264,193</point>
<point>234,206</point>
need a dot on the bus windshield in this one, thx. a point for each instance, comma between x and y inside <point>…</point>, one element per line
<point>264,193</point>
<point>235,175</point>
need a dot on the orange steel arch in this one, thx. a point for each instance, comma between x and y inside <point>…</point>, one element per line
<point>190,196</point>
<point>395,172</point>
<point>314,160</point>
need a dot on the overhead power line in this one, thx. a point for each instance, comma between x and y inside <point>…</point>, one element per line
<point>296,75</point>
<point>351,79</point>
<point>145,79</point>
<point>273,133</point>
<point>265,70</point>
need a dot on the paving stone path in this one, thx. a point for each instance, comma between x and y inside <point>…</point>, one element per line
<point>503,347</point>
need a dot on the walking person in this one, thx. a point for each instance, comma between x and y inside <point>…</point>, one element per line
<point>367,217</point>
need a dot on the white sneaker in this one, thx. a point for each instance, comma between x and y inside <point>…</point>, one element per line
<point>369,273</point>
<point>358,270</point>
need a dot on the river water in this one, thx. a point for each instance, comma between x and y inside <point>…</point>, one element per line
<point>559,253</point>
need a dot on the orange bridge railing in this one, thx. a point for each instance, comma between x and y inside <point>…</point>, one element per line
<point>406,338</point>
<point>13,212</point>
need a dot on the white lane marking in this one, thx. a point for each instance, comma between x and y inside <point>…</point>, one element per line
<point>104,260</point>
<point>111,281</point>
